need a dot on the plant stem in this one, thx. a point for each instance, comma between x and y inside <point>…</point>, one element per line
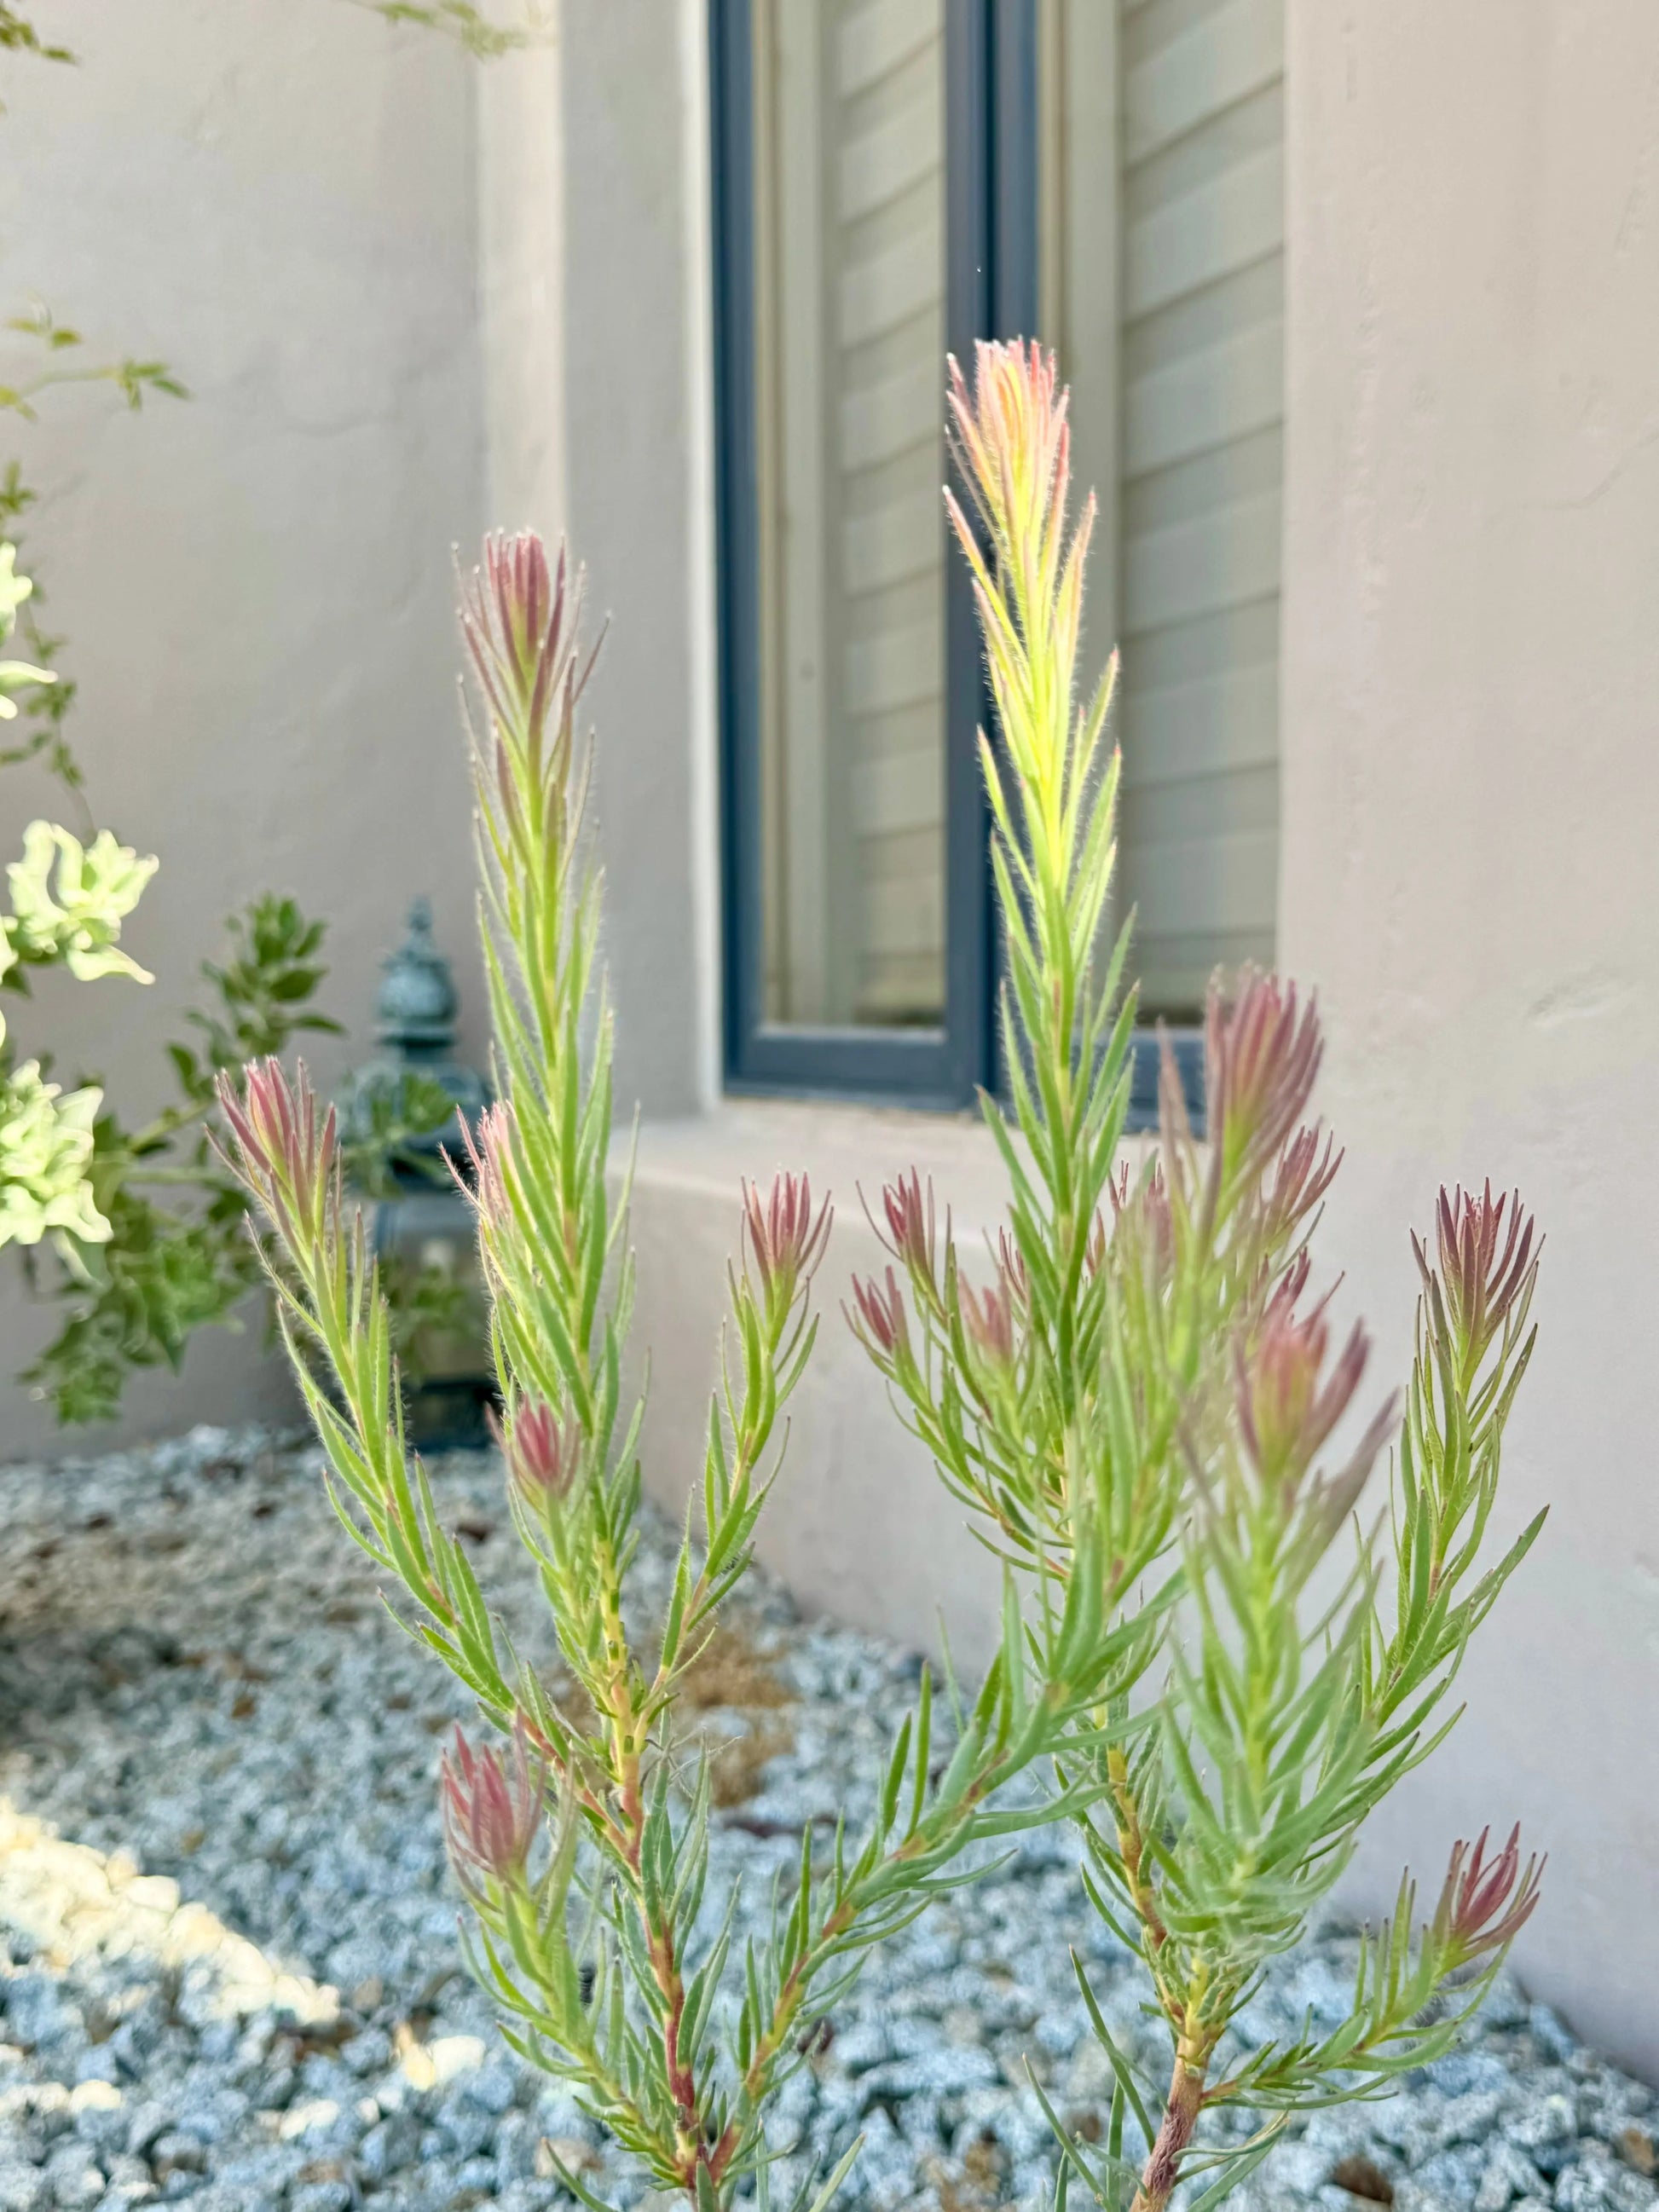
<point>1180,2110</point>
<point>1132,1847</point>
<point>689,2149</point>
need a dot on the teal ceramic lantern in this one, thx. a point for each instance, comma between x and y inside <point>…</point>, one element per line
<point>420,1224</point>
<point>416,1010</point>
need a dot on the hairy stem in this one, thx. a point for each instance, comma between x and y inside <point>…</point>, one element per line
<point>1182,2108</point>
<point>1132,1847</point>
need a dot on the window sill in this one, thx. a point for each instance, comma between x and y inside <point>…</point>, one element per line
<point>842,1148</point>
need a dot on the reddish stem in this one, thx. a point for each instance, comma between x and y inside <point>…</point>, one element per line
<point>1180,2110</point>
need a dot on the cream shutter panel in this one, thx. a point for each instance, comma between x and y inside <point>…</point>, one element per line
<point>850,228</point>
<point>890,377</point>
<point>1200,371</point>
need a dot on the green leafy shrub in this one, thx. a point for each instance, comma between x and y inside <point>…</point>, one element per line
<point>144,1229</point>
<point>56,361</point>
<point>68,904</point>
<point>482,34</point>
<point>172,1255</point>
<point>146,1242</point>
<point>176,1256</point>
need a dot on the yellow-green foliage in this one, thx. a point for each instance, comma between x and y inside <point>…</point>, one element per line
<point>1145,1390</point>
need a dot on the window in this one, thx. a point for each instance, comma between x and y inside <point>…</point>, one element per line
<point>873,171</point>
<point>880,199</point>
<point>849,334</point>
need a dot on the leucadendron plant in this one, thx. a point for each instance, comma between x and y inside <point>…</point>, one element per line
<point>580,1840</point>
<point>1144,1391</point>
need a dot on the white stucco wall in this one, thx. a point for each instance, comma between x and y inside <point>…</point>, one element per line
<point>523,314</point>
<point>280,201</point>
<point>1471,815</point>
<point>637,434</point>
<point>594,274</point>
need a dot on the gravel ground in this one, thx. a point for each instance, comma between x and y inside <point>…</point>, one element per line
<point>229,1965</point>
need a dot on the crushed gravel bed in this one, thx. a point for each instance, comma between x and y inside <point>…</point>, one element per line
<point>230,1971</point>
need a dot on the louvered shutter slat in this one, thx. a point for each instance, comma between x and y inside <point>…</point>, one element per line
<point>1199,503</point>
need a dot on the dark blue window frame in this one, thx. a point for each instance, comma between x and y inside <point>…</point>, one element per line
<point>991,199</point>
